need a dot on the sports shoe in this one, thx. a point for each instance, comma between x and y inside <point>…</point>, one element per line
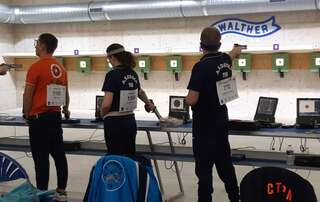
<point>60,196</point>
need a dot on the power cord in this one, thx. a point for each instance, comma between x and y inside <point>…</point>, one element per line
<point>93,133</point>
<point>26,154</point>
<point>273,141</point>
<point>171,166</point>
<point>308,175</point>
<point>281,140</point>
<point>248,147</point>
<point>303,145</point>
<point>90,138</point>
<point>182,140</point>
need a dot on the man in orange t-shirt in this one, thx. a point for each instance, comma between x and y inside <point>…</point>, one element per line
<point>45,92</point>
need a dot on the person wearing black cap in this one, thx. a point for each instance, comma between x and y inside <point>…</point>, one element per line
<point>122,88</point>
<point>210,116</point>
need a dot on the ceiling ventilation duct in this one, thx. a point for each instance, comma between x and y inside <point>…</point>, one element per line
<point>6,13</point>
<point>145,9</point>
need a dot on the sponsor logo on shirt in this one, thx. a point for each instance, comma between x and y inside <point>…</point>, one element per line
<point>275,188</point>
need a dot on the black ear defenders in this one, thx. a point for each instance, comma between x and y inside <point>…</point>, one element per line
<point>210,47</point>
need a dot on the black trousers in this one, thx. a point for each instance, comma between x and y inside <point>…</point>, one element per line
<point>120,134</point>
<point>211,147</point>
<point>45,134</point>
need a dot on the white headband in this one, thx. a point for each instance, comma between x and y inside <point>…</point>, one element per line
<point>119,50</point>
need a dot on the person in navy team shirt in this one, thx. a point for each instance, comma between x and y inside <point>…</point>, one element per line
<point>122,88</point>
<point>210,117</point>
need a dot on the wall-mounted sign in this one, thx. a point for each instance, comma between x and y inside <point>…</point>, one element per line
<point>247,28</point>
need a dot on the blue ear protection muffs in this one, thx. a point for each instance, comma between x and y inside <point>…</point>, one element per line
<point>210,47</point>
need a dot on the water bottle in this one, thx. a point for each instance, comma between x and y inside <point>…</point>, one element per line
<point>290,155</point>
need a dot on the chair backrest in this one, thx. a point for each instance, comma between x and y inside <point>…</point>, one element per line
<point>272,184</point>
<point>10,169</point>
<point>26,192</point>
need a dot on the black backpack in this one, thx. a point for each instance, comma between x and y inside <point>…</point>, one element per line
<point>272,184</point>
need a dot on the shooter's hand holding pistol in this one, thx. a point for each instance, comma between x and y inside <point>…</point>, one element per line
<point>3,69</point>
<point>236,50</point>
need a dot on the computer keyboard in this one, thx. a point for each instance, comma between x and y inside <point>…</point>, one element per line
<point>70,121</point>
<point>238,157</point>
<point>307,160</point>
<point>288,126</point>
<point>99,120</point>
<point>307,126</point>
<point>241,125</point>
<point>269,125</point>
<point>72,145</point>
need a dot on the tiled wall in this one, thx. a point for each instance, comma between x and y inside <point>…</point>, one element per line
<point>161,84</point>
<point>300,30</point>
<point>171,35</point>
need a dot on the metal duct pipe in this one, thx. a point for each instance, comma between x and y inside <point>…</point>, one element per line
<point>6,14</point>
<point>137,9</point>
<point>53,13</point>
<point>145,9</point>
<point>227,7</point>
<point>259,6</point>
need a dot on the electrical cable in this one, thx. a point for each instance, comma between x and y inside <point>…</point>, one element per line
<point>272,144</point>
<point>182,140</point>
<point>303,146</point>
<point>281,140</point>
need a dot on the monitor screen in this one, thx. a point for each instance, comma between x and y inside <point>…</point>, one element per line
<point>99,100</point>
<point>308,107</point>
<point>267,106</point>
<point>178,107</point>
<point>178,104</point>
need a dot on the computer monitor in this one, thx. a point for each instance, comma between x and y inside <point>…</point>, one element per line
<point>308,111</point>
<point>266,109</point>
<point>178,108</point>
<point>99,100</point>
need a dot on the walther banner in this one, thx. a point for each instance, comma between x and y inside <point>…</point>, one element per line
<point>247,28</point>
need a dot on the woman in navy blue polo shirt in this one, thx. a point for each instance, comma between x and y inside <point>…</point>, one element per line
<point>122,90</point>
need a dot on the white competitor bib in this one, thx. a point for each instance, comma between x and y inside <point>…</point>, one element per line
<point>56,95</point>
<point>227,90</point>
<point>128,100</point>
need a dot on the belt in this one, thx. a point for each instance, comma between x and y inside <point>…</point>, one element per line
<point>42,115</point>
<point>115,113</point>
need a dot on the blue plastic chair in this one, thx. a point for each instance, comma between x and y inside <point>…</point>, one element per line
<point>10,169</point>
